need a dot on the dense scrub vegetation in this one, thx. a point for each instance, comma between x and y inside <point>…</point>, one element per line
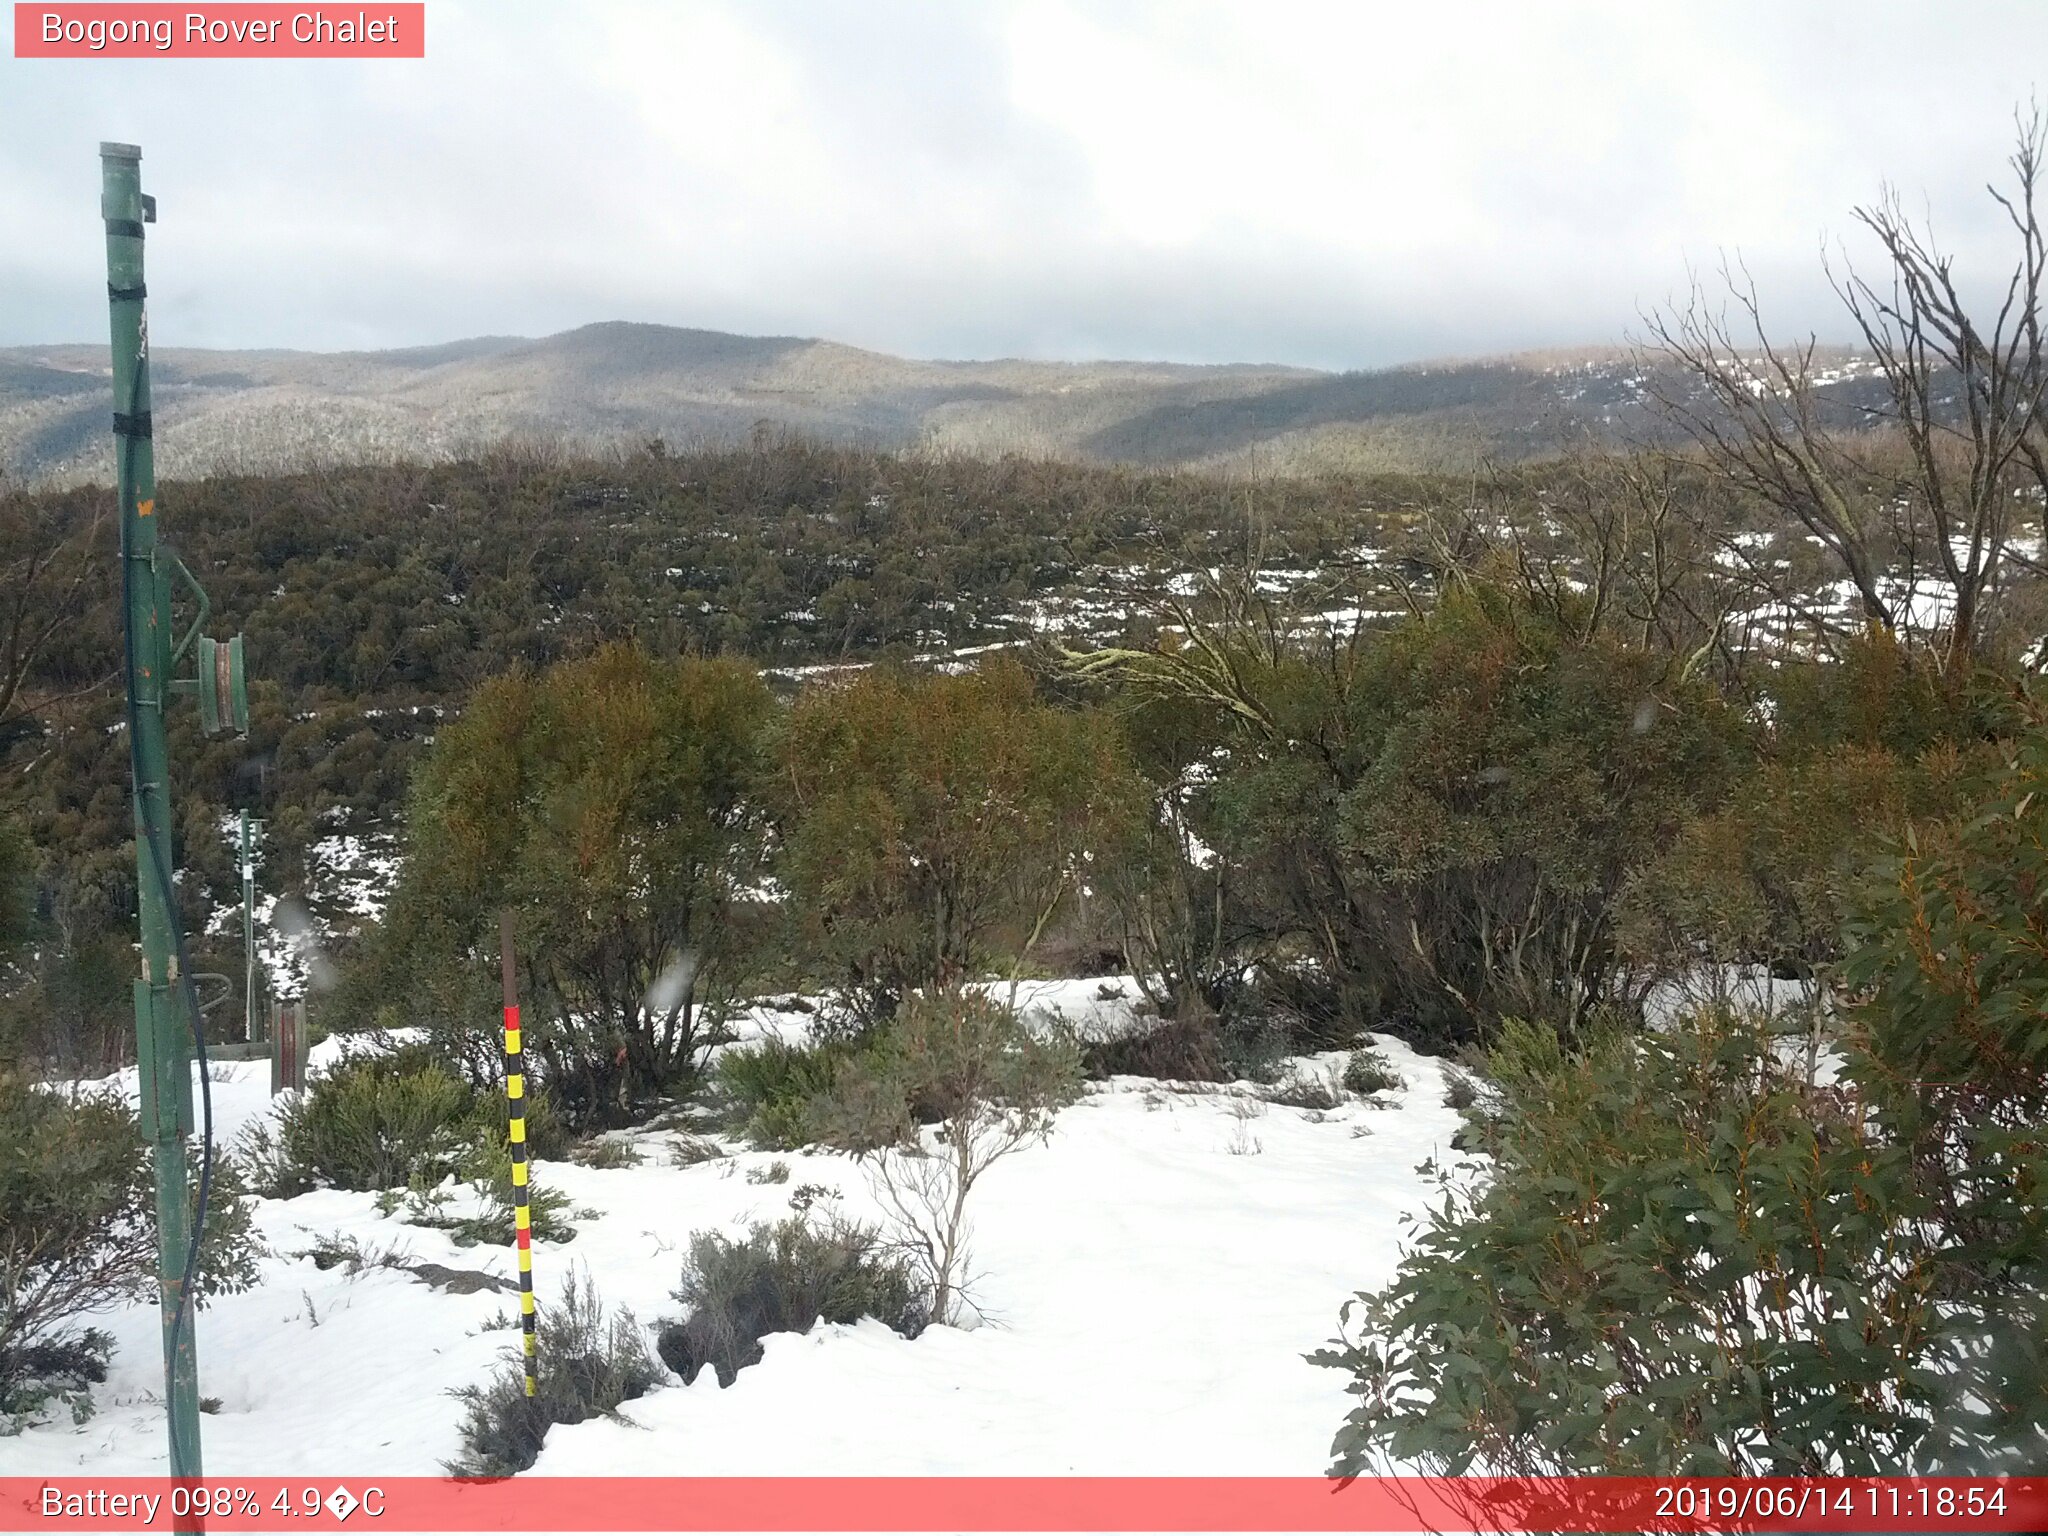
<point>1693,1255</point>
<point>377,599</point>
<point>399,1118</point>
<point>1489,772</point>
<point>1706,1247</point>
<point>80,1235</point>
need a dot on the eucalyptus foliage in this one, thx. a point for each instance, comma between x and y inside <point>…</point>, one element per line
<point>79,1233</point>
<point>922,814</point>
<point>1689,1256</point>
<point>611,803</point>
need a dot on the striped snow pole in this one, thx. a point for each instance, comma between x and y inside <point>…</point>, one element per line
<point>515,1109</point>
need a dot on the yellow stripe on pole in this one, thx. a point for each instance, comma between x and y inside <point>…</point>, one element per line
<point>515,1130</point>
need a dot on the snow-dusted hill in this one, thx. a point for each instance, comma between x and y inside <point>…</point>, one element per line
<point>612,383</point>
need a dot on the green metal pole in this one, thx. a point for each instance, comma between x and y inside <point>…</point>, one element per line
<point>162,1030</point>
<point>248,936</point>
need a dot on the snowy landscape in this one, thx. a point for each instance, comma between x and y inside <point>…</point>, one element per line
<point>1021,741</point>
<point>1151,1278</point>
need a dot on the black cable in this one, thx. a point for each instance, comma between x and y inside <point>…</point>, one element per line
<point>181,1318</point>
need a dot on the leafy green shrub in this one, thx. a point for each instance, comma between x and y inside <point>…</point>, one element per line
<point>783,1279</point>
<point>487,1167</point>
<point>393,1119</point>
<point>1676,1267</point>
<point>1949,1041</point>
<point>590,1363</point>
<point>1366,1073</point>
<point>612,801</point>
<point>79,1235</point>
<point>923,813</point>
<point>66,1010</point>
<point>773,1085</point>
<point>376,1121</point>
<point>55,1372</point>
<point>547,1134</point>
<point>1768,877</point>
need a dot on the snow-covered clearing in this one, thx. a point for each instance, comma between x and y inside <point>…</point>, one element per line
<point>1153,1276</point>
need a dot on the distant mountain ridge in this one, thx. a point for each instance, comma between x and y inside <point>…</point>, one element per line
<point>623,382</point>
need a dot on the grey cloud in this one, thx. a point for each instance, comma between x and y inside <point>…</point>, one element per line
<point>1342,186</point>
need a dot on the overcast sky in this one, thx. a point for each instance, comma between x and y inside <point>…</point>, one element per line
<point>1340,185</point>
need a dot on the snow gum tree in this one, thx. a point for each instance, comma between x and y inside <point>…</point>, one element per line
<point>921,816</point>
<point>1935,477</point>
<point>1439,815</point>
<point>610,803</point>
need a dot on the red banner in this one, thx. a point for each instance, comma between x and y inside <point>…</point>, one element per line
<point>921,1504</point>
<point>243,31</point>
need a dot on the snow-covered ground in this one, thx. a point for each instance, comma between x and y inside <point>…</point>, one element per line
<point>1152,1277</point>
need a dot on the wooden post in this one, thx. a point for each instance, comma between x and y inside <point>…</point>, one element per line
<point>287,1045</point>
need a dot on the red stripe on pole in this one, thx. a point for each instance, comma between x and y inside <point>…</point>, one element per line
<point>526,1237</point>
<point>1111,1504</point>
